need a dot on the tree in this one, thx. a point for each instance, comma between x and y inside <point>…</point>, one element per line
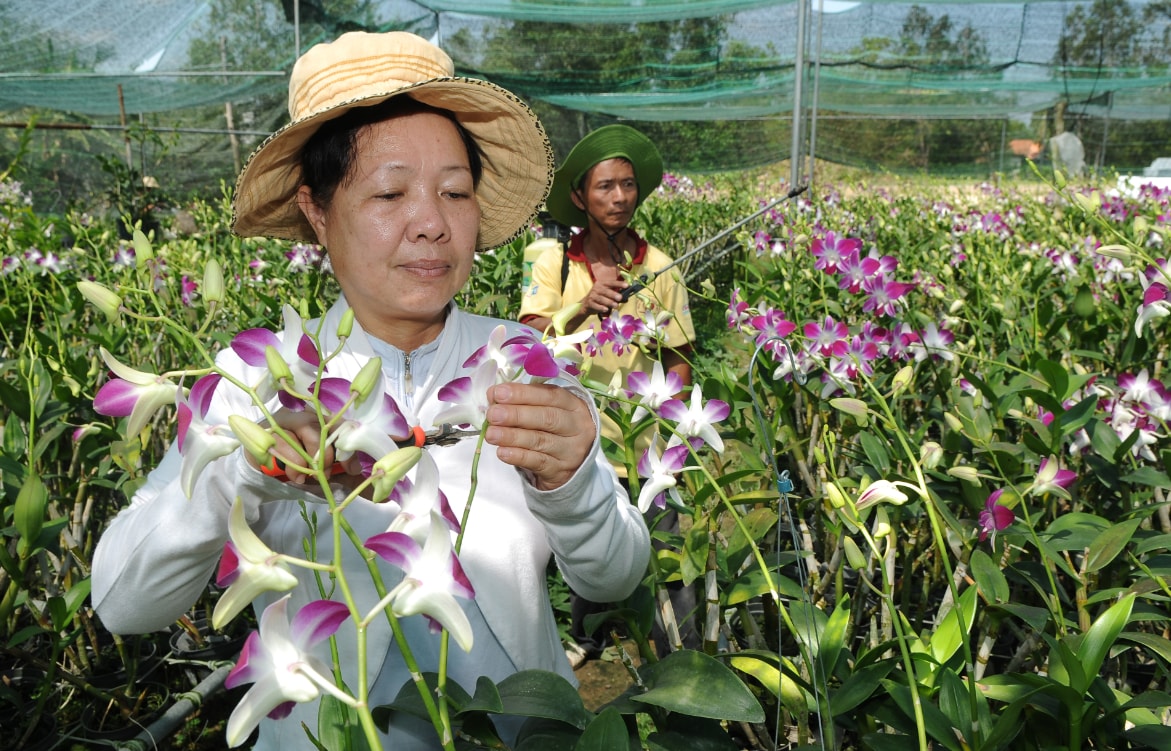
<point>538,59</point>
<point>932,45</point>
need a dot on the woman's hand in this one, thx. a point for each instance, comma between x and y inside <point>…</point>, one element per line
<point>545,429</point>
<point>304,430</point>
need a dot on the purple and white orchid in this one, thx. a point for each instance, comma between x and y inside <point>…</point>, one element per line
<point>200,442</point>
<point>133,393</point>
<point>660,467</point>
<point>278,662</point>
<point>247,568</point>
<point>432,579</point>
<point>652,390</point>
<point>295,347</point>
<point>697,420</point>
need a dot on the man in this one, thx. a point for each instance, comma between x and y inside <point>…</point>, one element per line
<point>598,188</point>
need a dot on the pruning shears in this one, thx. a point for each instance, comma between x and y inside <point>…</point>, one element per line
<point>444,435</point>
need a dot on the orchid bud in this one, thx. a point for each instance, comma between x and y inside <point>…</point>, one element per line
<point>213,282</point>
<point>854,555</point>
<point>854,407</point>
<point>1059,178</point>
<point>303,308</point>
<point>254,438</point>
<point>953,422</point>
<point>102,298</point>
<point>955,307</point>
<point>368,377</point>
<point>1087,203</point>
<point>881,523</point>
<point>902,379</point>
<point>930,454</point>
<point>142,250</point>
<point>276,365</point>
<point>562,317</point>
<point>391,468</point>
<point>346,326</point>
<point>707,287</point>
<point>1121,252</point>
<point>966,473</point>
<point>836,497</point>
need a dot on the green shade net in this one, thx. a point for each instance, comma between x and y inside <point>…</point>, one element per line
<point>184,90</point>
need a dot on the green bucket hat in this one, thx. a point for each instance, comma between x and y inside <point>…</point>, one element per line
<point>604,143</point>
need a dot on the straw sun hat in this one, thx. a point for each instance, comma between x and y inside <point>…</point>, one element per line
<point>361,69</point>
<point>604,143</point>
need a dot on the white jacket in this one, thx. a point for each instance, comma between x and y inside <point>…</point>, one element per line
<point>157,556</point>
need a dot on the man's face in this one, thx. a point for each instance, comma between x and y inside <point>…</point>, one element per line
<point>608,194</point>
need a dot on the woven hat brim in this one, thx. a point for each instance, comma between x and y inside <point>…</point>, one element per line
<point>607,142</point>
<point>517,159</point>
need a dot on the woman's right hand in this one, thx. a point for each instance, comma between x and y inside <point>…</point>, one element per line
<point>304,430</point>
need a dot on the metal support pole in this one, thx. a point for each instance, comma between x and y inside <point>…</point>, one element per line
<point>816,89</point>
<point>795,167</point>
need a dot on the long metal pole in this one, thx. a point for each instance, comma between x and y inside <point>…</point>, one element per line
<point>816,88</point>
<point>795,167</point>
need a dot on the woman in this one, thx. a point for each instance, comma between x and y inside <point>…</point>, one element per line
<point>402,172</point>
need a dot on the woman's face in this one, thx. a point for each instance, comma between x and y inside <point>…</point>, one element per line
<point>401,227</point>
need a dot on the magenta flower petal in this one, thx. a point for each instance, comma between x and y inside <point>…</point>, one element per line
<point>282,710</point>
<point>245,670</point>
<point>540,363</point>
<point>456,390</point>
<point>116,398</point>
<point>184,415</point>
<point>395,547</point>
<point>307,351</point>
<point>250,344</point>
<point>333,393</point>
<point>229,568</point>
<point>318,620</point>
<point>202,392</point>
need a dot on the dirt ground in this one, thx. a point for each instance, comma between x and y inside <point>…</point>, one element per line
<point>605,678</point>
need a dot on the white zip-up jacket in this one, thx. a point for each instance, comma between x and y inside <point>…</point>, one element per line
<point>158,555</point>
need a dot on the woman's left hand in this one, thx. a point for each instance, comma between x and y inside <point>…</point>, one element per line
<point>544,429</point>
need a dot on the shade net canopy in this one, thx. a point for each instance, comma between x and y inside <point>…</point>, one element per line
<point>187,89</point>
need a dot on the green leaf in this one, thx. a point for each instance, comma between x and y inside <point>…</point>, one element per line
<point>338,726</point>
<point>699,685</point>
<point>1148,477</point>
<point>833,636</point>
<point>1075,418</point>
<point>989,578</point>
<point>859,687</point>
<point>539,734</point>
<point>937,724</point>
<point>1109,543</point>
<point>876,451</point>
<point>29,513</point>
<point>607,732</point>
<point>1102,635</point>
<point>1156,644</point>
<point>754,584</point>
<point>487,698</point>
<point>954,701</point>
<point>540,693</point>
<point>1056,376</point>
<point>956,626</point>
